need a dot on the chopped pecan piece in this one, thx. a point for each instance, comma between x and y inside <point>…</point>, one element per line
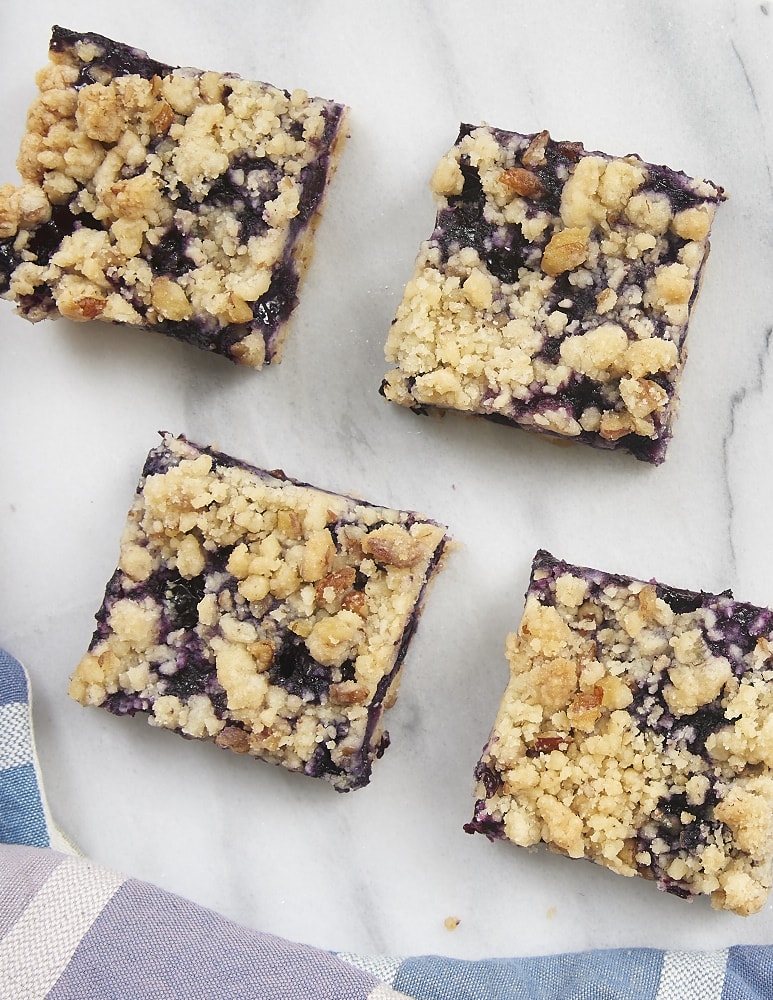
<point>89,307</point>
<point>348,693</point>
<point>567,249</point>
<point>546,744</point>
<point>335,585</point>
<point>355,601</point>
<point>534,156</point>
<point>233,738</point>
<point>392,545</point>
<point>163,117</point>
<point>585,709</point>
<point>615,426</point>
<point>572,150</point>
<point>522,182</point>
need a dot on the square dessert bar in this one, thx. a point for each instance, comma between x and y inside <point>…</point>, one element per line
<point>637,731</point>
<point>555,290</point>
<point>259,612</point>
<point>166,198</point>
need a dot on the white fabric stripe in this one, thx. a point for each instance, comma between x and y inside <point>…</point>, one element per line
<point>16,743</point>
<point>384,992</point>
<point>687,975</point>
<point>39,946</point>
<point>383,967</point>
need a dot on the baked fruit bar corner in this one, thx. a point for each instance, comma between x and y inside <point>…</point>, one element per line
<point>259,612</point>
<point>166,198</point>
<point>637,731</point>
<point>555,291</point>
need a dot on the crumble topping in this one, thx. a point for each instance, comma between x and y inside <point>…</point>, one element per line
<point>637,731</point>
<point>168,198</point>
<point>556,280</point>
<point>270,616</point>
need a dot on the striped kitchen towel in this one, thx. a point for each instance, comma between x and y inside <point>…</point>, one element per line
<point>24,814</point>
<point>74,930</point>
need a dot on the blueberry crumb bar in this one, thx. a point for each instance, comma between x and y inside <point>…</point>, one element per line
<point>637,731</point>
<point>555,290</point>
<point>259,612</point>
<point>165,198</point>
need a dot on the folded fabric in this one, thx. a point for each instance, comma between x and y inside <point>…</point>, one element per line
<point>74,930</point>
<point>24,814</point>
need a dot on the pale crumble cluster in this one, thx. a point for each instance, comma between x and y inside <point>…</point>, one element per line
<point>637,736</point>
<point>297,606</point>
<point>214,160</point>
<point>552,269</point>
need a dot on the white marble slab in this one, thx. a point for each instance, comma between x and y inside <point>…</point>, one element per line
<point>381,869</point>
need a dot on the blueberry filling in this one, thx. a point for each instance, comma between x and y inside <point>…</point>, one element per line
<point>195,676</point>
<point>181,600</point>
<point>736,630</point>
<point>483,822</point>
<point>169,255</point>
<point>122,703</point>
<point>296,670</point>
<point>112,58</point>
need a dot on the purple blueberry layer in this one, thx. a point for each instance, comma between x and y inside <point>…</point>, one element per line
<point>636,732</point>
<point>260,612</point>
<point>554,291</point>
<point>204,190</point>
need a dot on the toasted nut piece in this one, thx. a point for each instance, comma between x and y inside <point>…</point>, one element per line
<point>585,709</point>
<point>169,299</point>
<point>642,396</point>
<point>348,693</point>
<point>572,150</point>
<point>522,182</point>
<point>288,522</point>
<point>89,307</point>
<point>233,738</point>
<point>546,744</point>
<point>392,545</point>
<point>163,117</point>
<point>335,584</point>
<point>606,300</point>
<point>355,601</point>
<point>237,310</point>
<point>615,425</point>
<point>566,250</point>
<point>263,654</point>
<point>534,156</point>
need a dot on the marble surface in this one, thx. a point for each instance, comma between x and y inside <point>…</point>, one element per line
<point>380,869</point>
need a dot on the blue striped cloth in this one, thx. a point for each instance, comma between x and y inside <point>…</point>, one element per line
<point>73,930</point>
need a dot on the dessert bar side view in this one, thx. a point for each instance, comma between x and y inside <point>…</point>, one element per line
<point>166,198</point>
<point>555,291</point>
<point>636,731</point>
<point>261,613</point>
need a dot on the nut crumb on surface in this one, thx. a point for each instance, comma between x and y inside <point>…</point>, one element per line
<point>265,615</point>
<point>537,246</point>
<point>636,732</point>
<point>166,198</point>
